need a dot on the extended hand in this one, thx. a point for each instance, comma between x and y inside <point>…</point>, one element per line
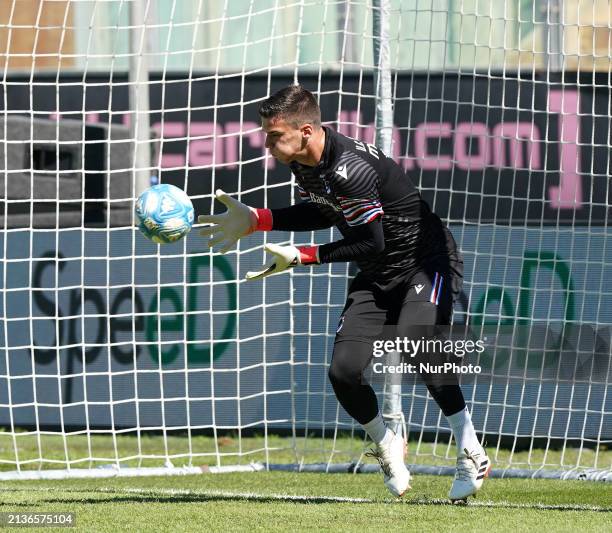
<point>285,257</point>
<point>227,228</point>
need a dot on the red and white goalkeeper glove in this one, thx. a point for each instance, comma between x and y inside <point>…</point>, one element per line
<point>238,221</point>
<point>286,257</point>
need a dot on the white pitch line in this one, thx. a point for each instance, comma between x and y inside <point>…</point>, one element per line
<point>313,498</point>
<point>544,506</point>
<point>513,505</point>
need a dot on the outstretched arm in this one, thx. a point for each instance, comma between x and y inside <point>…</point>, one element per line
<point>305,216</point>
<point>240,220</point>
<point>364,235</point>
<point>363,240</point>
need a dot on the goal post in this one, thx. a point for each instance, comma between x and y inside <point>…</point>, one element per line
<point>139,94</point>
<point>121,357</point>
<point>392,411</point>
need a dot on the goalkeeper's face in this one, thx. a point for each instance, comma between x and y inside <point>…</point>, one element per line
<point>285,141</point>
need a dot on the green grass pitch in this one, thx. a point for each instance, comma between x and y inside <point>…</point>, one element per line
<point>279,501</point>
<point>283,501</point>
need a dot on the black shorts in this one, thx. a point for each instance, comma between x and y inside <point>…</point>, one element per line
<point>369,309</point>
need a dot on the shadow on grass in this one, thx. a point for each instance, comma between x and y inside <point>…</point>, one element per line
<point>195,498</point>
<point>108,496</point>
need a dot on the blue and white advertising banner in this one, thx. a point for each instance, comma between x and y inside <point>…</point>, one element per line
<point>100,329</point>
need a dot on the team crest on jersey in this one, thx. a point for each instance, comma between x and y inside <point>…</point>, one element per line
<point>340,324</point>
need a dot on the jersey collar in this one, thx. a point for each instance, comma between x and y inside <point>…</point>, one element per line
<point>327,157</point>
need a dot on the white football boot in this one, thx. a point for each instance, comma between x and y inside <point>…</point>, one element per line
<point>391,456</point>
<point>472,468</point>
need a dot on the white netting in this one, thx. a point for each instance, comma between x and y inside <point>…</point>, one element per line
<point>117,351</point>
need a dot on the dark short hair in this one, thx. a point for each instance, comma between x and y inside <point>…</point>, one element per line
<point>293,104</point>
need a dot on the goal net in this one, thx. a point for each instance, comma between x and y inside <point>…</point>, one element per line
<point>122,357</point>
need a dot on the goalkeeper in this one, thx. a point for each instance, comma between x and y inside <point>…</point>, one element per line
<point>410,268</point>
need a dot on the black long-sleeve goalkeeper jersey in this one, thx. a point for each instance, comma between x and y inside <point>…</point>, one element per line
<point>388,229</point>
